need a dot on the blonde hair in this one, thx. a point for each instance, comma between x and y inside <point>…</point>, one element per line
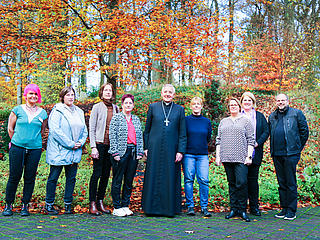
<point>195,99</point>
<point>251,96</point>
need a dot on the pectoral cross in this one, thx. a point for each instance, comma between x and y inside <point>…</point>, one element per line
<point>167,122</point>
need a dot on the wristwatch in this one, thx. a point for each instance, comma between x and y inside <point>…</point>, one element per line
<point>250,157</point>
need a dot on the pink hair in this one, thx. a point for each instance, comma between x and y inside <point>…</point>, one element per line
<point>34,88</point>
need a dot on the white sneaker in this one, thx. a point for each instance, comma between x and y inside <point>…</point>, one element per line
<point>119,212</point>
<point>127,211</point>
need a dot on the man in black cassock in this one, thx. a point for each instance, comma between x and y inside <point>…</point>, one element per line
<point>165,143</point>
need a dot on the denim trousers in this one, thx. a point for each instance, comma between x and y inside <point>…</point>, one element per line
<point>101,173</point>
<point>125,170</point>
<point>55,171</point>
<point>237,176</point>
<point>196,165</point>
<point>286,167</point>
<point>22,160</point>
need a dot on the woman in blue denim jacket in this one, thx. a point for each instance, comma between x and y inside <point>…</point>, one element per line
<point>67,135</point>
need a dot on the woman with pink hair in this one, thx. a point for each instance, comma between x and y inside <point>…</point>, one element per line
<point>25,126</point>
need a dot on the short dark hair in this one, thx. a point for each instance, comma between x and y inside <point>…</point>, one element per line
<point>102,88</point>
<point>236,100</point>
<point>127,96</point>
<point>64,92</point>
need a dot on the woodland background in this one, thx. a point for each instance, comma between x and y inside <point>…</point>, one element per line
<point>210,48</point>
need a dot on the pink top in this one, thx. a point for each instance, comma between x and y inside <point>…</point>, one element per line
<point>131,133</point>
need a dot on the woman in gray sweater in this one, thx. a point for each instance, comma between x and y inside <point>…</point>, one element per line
<point>99,123</point>
<point>235,142</point>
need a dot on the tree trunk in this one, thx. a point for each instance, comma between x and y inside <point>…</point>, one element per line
<point>18,62</point>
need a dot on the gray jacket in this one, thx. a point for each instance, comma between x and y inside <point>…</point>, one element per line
<point>97,122</point>
<point>295,129</point>
<point>118,134</point>
<point>60,140</point>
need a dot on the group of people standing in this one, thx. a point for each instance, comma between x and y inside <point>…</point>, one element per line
<point>170,140</point>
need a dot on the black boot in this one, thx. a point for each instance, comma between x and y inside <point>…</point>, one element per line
<point>233,213</point>
<point>244,216</point>
<point>7,210</point>
<point>67,209</point>
<point>24,210</point>
<point>49,208</point>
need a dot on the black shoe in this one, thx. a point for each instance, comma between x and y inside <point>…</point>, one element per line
<point>49,208</point>
<point>205,212</point>
<point>67,209</point>
<point>244,216</point>
<point>232,214</point>
<point>281,214</point>
<point>7,210</point>
<point>24,210</point>
<point>290,216</point>
<point>191,211</point>
<point>255,211</point>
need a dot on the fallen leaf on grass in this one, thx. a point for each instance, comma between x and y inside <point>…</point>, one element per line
<point>53,217</point>
<point>280,229</point>
<point>39,227</point>
<point>41,221</point>
<point>63,226</point>
<point>228,236</point>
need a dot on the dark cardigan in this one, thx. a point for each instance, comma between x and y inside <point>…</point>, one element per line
<point>262,134</point>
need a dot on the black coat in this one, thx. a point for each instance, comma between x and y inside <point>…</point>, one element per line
<point>296,130</point>
<point>262,134</point>
<point>161,193</point>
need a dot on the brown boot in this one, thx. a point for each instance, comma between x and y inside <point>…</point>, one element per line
<point>93,209</point>
<point>102,208</point>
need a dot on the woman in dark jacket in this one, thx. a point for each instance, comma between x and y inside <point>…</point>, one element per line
<point>261,134</point>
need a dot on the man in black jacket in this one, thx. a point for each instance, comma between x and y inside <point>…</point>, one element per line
<point>288,135</point>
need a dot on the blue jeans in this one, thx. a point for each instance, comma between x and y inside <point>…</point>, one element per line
<point>22,161</point>
<point>196,165</point>
<point>70,172</point>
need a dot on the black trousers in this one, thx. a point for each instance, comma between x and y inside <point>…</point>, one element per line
<point>237,176</point>
<point>253,185</point>
<point>286,167</point>
<point>125,170</point>
<point>101,173</point>
<point>22,160</point>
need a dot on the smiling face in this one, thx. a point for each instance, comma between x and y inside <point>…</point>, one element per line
<point>282,101</point>
<point>127,105</point>
<point>247,103</point>
<point>234,108</point>
<point>167,94</point>
<point>32,98</point>
<point>196,107</point>
<point>107,92</point>
<point>68,99</point>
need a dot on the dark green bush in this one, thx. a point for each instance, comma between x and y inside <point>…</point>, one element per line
<point>4,136</point>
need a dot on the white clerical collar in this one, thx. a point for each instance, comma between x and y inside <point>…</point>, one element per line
<point>167,104</point>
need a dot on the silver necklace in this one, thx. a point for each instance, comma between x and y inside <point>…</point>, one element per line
<point>32,109</point>
<point>166,121</point>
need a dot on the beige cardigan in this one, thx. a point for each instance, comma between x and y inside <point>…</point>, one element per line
<point>97,122</point>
